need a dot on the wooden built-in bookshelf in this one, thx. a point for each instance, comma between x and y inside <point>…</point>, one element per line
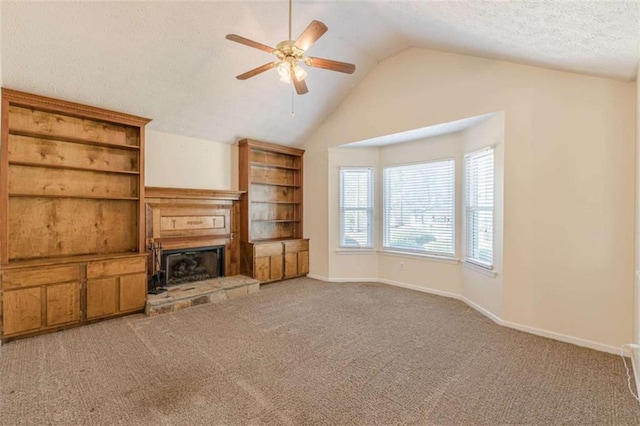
<point>271,211</point>
<point>72,245</point>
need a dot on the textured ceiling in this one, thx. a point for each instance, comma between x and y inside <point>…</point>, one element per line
<point>169,60</point>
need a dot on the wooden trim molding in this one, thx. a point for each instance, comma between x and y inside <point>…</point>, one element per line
<point>4,183</point>
<point>271,147</point>
<point>193,194</point>
<point>30,100</point>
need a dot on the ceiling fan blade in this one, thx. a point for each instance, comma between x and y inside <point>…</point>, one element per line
<point>250,43</point>
<point>256,71</point>
<point>300,85</point>
<point>328,64</point>
<point>313,32</point>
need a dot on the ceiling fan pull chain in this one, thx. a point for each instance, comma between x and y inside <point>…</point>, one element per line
<point>292,100</point>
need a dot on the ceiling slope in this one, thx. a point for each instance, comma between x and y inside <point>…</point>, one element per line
<point>170,60</point>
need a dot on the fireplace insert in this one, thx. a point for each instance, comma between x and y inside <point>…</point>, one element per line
<point>194,264</point>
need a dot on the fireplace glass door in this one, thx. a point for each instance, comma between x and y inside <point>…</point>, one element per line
<point>189,265</point>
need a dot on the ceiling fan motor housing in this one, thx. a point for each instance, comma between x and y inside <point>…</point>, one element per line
<point>288,49</point>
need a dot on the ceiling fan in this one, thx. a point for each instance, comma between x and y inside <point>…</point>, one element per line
<point>290,53</point>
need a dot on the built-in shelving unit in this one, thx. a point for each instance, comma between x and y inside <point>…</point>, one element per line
<point>72,245</point>
<point>271,210</point>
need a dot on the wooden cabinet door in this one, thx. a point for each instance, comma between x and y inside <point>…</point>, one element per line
<point>296,257</point>
<point>276,267</point>
<point>116,285</point>
<point>37,298</point>
<point>268,268</point>
<point>303,262</point>
<point>63,303</point>
<point>290,265</point>
<point>267,261</point>
<point>22,310</point>
<point>133,292</point>
<point>102,297</point>
<point>261,268</point>
<point>296,264</point>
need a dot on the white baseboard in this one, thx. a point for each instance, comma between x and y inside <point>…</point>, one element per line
<point>487,313</point>
<point>318,277</point>
<point>520,327</point>
<point>564,338</point>
<point>343,280</point>
<point>636,373</point>
<point>419,288</point>
<point>353,280</point>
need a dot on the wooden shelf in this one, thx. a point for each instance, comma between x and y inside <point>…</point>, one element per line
<point>59,166</point>
<point>87,197</point>
<point>273,166</point>
<point>44,135</point>
<point>275,184</point>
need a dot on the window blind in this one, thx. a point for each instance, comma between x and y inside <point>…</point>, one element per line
<point>479,207</point>
<point>356,207</point>
<point>419,207</point>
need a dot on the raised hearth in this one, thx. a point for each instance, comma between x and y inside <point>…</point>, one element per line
<point>198,293</point>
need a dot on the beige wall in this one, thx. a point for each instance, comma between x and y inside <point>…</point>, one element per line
<point>636,336</point>
<point>182,162</point>
<point>482,288</point>
<point>569,156</point>
<point>316,210</point>
<point>349,264</point>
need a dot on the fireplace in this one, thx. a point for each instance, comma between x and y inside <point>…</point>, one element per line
<point>194,264</point>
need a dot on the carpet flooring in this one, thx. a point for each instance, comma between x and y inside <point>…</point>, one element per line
<point>304,352</point>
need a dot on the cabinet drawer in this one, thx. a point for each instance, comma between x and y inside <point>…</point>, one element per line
<point>33,277</point>
<point>109,268</point>
<point>269,249</point>
<point>295,246</point>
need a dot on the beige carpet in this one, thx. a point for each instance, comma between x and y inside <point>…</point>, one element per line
<point>304,352</point>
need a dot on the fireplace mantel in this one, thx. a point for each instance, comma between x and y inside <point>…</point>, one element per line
<point>193,194</point>
<point>180,218</point>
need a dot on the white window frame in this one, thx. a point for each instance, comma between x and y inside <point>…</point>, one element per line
<point>368,209</point>
<point>385,220</point>
<point>470,209</point>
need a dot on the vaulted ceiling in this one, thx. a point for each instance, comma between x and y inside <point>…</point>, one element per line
<point>169,61</point>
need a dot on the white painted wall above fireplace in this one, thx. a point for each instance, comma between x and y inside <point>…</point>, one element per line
<point>174,161</point>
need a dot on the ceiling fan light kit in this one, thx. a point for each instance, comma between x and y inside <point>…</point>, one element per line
<point>290,53</point>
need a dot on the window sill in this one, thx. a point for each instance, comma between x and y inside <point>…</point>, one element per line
<point>356,251</point>
<point>430,257</point>
<point>481,270</point>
